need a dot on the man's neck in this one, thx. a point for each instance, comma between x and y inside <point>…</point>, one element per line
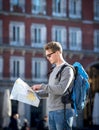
<point>60,62</point>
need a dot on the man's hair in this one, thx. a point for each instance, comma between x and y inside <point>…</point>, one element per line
<point>54,46</point>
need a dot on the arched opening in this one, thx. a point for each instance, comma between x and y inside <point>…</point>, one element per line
<point>93,72</point>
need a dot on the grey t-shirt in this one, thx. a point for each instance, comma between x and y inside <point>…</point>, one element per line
<point>56,88</point>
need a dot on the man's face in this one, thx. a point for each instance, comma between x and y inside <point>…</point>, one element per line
<point>51,56</point>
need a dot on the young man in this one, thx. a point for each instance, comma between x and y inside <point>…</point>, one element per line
<point>56,88</point>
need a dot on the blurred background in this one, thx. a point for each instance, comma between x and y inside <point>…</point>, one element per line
<point>25,27</point>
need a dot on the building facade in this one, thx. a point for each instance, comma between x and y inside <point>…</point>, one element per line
<point>27,25</point>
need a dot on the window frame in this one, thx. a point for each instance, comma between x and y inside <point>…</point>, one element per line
<point>19,3</point>
<point>39,65</point>
<point>96,9</point>
<point>17,32</point>
<point>75,5</point>
<point>75,33</point>
<point>63,37</point>
<point>1,67</point>
<point>17,70</point>
<point>59,10</point>
<point>1,31</point>
<point>38,35</point>
<point>1,4</point>
<point>96,40</point>
<point>40,8</point>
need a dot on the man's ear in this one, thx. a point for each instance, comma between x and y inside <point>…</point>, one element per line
<point>58,52</point>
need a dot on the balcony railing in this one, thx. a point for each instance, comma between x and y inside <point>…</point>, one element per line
<point>13,77</point>
<point>75,13</point>
<point>20,7</point>
<point>39,9</point>
<point>96,15</point>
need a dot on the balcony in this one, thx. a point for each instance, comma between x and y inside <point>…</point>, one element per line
<point>41,10</point>
<point>17,7</point>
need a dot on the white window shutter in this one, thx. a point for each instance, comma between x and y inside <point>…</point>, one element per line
<point>11,33</point>
<point>64,35</point>
<point>21,2</point>
<point>0,31</point>
<point>78,7</point>
<point>79,39</point>
<point>53,33</point>
<point>32,34</point>
<point>43,69</point>
<point>1,66</point>
<point>21,67</point>
<point>43,34</point>
<point>63,7</point>
<point>22,34</point>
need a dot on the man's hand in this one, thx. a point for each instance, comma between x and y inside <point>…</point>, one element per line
<point>36,87</point>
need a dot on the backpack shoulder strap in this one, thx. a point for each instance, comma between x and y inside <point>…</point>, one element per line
<point>60,71</point>
<point>74,69</point>
<point>50,70</point>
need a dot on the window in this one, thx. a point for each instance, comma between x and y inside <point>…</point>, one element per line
<point>96,9</point>
<point>17,3</point>
<point>17,33</point>
<point>39,69</point>
<point>96,40</point>
<point>59,8</point>
<point>75,38</point>
<point>38,35</point>
<point>1,67</point>
<point>0,32</point>
<point>59,35</point>
<point>39,6</point>
<point>0,4</point>
<point>75,8</point>
<point>16,67</point>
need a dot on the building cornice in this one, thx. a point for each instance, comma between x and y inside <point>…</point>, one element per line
<point>25,49</point>
<point>39,16</point>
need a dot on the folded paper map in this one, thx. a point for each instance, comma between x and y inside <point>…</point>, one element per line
<point>23,93</point>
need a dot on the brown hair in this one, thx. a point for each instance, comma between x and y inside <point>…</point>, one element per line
<point>54,46</point>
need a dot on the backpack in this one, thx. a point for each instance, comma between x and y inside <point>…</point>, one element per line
<point>77,93</point>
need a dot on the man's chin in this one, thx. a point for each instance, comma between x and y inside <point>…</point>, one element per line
<point>51,62</point>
